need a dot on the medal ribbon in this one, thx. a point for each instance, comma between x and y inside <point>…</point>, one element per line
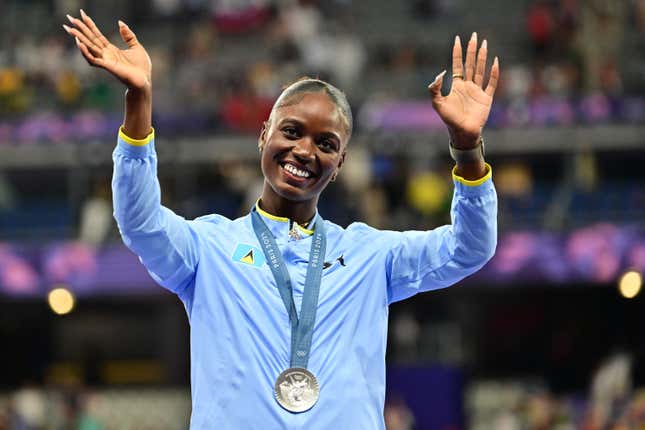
<point>301,328</point>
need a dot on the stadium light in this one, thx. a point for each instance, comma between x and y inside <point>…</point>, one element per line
<point>61,300</point>
<point>630,284</point>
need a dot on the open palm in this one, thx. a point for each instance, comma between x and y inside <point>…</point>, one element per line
<point>466,108</point>
<point>132,65</point>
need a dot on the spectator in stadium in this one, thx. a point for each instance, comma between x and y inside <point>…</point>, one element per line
<point>245,348</point>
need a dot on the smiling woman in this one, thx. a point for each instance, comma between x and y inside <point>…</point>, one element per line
<point>303,147</point>
<point>288,311</point>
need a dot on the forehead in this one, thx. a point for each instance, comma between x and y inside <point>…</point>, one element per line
<point>314,109</point>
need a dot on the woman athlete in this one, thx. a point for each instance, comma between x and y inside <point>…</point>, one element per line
<point>288,312</point>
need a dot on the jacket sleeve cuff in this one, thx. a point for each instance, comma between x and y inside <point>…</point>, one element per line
<point>137,148</point>
<point>476,186</point>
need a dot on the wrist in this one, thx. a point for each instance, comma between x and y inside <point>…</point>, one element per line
<point>471,155</point>
<point>463,140</point>
<point>140,94</point>
<point>471,171</point>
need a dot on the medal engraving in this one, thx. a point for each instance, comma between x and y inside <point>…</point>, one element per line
<point>296,390</point>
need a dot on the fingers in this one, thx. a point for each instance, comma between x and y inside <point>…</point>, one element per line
<point>457,61</point>
<point>470,57</point>
<point>127,35</point>
<point>96,51</point>
<point>474,70</point>
<point>435,86</point>
<point>92,39</point>
<point>480,68</point>
<point>91,59</point>
<point>101,40</point>
<point>494,78</point>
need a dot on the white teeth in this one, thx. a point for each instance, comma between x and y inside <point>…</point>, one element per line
<point>292,169</point>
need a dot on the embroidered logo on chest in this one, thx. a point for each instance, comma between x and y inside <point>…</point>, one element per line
<point>248,254</point>
<point>340,260</point>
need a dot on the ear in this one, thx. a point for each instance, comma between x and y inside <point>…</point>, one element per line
<point>263,135</point>
<point>340,164</point>
<point>342,160</point>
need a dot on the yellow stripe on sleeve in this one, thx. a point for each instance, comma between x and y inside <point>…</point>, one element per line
<point>475,182</point>
<point>136,142</point>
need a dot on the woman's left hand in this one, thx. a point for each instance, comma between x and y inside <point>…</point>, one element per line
<point>465,109</point>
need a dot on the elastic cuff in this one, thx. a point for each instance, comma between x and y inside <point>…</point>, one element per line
<point>136,142</point>
<point>475,182</point>
<point>476,188</point>
<point>142,148</point>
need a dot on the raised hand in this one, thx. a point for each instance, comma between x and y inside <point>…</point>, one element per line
<point>465,110</point>
<point>132,65</point>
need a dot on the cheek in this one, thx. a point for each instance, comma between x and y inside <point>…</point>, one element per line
<point>265,161</point>
<point>267,157</point>
<point>329,167</point>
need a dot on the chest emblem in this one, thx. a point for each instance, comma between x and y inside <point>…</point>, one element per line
<point>248,254</point>
<point>340,259</point>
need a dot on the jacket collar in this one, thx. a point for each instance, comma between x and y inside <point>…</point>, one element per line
<point>283,227</point>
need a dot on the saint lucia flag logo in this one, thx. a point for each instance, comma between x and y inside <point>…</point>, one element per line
<point>248,254</point>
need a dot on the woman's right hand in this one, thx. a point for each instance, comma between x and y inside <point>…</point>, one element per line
<point>131,66</point>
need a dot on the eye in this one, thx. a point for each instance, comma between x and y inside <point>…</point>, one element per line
<point>327,145</point>
<point>290,132</point>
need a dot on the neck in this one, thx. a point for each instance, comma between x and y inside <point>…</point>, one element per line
<point>300,212</point>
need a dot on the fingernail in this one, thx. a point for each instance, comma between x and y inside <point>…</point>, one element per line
<point>457,39</point>
<point>474,36</point>
<point>77,41</point>
<point>496,60</point>
<point>485,44</point>
<point>439,76</point>
<point>83,13</point>
<point>70,18</point>
<point>121,23</point>
<point>66,28</point>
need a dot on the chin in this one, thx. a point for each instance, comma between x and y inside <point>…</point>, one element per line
<point>290,192</point>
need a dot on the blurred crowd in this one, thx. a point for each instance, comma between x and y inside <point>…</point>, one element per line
<point>612,403</point>
<point>217,66</point>
<point>35,408</point>
<point>576,45</point>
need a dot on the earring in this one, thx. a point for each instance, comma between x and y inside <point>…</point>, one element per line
<point>333,178</point>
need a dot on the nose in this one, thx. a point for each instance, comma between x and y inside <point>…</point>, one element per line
<point>304,150</point>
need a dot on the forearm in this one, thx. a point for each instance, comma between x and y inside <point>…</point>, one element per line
<point>427,260</point>
<point>474,217</point>
<point>162,239</point>
<point>137,123</point>
<point>135,187</point>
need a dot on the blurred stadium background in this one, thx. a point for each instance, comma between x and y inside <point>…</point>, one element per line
<point>550,335</point>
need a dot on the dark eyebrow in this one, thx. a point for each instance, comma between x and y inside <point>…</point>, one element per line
<point>329,134</point>
<point>290,120</point>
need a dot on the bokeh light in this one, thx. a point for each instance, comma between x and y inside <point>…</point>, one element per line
<point>630,284</point>
<point>61,300</point>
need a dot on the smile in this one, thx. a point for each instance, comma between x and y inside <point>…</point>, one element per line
<point>296,171</point>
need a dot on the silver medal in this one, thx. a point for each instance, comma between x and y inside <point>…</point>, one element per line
<point>296,389</point>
